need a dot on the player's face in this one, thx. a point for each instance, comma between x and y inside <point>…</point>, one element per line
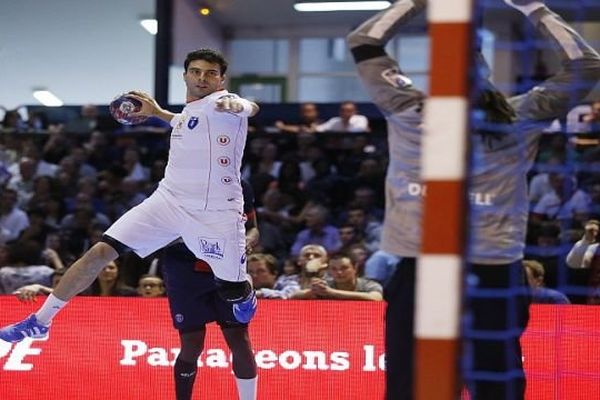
<point>202,78</point>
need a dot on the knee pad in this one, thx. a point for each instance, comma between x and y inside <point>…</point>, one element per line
<point>233,292</point>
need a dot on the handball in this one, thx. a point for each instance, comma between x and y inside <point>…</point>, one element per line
<point>121,108</point>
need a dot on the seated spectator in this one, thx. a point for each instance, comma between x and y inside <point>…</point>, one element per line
<point>312,262</point>
<point>23,183</point>
<point>369,229</point>
<point>309,120</point>
<point>13,122</point>
<point>263,270</point>
<point>42,168</point>
<point>566,203</point>
<point>13,220</point>
<point>348,237</point>
<point>380,266</point>
<point>576,256</point>
<point>25,267</point>
<point>348,121</point>
<point>29,293</point>
<point>150,286</point>
<point>317,231</point>
<point>359,254</point>
<point>38,229</point>
<point>109,283</point>
<point>266,164</point>
<point>135,170</point>
<point>539,293</point>
<point>344,282</point>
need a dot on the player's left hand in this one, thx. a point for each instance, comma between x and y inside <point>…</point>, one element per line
<point>149,105</point>
<point>229,104</point>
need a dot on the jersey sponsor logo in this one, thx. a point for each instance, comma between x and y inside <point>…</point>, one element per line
<point>224,161</point>
<point>212,248</point>
<point>179,318</point>
<point>395,78</point>
<point>475,198</point>
<point>226,180</point>
<point>223,140</point>
<point>193,122</point>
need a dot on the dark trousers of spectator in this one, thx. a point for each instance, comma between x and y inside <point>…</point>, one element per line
<point>399,321</point>
<point>494,324</point>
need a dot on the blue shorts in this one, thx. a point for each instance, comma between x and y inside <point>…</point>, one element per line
<point>192,291</point>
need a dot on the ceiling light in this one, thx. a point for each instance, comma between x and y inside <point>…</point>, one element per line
<point>47,98</point>
<point>342,6</point>
<point>204,11</point>
<point>151,25</point>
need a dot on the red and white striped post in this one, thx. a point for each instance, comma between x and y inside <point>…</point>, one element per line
<point>439,271</point>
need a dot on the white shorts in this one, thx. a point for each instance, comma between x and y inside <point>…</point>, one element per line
<point>217,237</point>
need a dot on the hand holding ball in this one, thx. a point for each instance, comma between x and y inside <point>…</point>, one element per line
<point>124,108</point>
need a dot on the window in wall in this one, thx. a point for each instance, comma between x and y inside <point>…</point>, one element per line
<point>258,56</point>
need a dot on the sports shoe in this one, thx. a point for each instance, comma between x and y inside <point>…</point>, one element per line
<point>28,328</point>
<point>245,310</point>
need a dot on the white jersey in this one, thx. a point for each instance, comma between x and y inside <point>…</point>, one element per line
<point>203,171</point>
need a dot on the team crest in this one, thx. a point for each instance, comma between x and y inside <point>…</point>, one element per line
<point>193,122</point>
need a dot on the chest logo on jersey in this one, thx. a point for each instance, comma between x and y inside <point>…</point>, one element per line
<point>223,140</point>
<point>224,161</point>
<point>193,122</point>
<point>212,248</point>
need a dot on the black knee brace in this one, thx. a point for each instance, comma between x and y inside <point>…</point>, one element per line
<point>233,292</point>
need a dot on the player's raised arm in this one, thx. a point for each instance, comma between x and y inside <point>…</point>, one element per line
<point>391,91</point>
<point>580,70</point>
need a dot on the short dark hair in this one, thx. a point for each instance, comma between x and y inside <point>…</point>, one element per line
<point>209,55</point>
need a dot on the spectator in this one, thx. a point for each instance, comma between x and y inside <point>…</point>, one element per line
<point>539,293</point>
<point>358,254</point>
<point>582,251</point>
<point>135,170</point>
<point>344,283</point>
<point>369,230</point>
<point>309,120</point>
<point>29,293</point>
<point>312,262</point>
<point>13,220</point>
<point>109,283</point>
<point>24,259</point>
<point>566,203</point>
<point>317,231</point>
<point>150,286</point>
<point>348,237</point>
<point>23,182</point>
<point>348,121</point>
<point>263,270</point>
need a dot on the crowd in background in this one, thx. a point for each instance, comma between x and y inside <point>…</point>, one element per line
<point>319,189</point>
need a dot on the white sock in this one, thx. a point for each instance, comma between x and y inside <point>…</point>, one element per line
<point>49,309</point>
<point>246,388</point>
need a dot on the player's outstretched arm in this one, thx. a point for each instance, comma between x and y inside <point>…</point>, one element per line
<point>580,66</point>
<point>237,105</point>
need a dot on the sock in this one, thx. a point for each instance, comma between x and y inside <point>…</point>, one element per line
<point>49,309</point>
<point>185,376</point>
<point>246,388</point>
